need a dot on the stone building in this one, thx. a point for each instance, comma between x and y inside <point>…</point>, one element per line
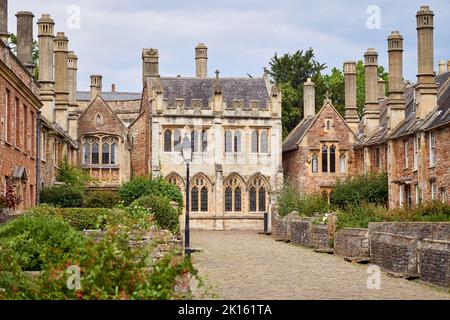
<point>32,143</point>
<point>405,134</point>
<point>234,125</point>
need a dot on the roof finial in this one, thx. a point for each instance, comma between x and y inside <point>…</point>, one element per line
<point>217,73</point>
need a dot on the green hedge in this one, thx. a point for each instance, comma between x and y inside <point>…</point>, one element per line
<point>79,218</point>
<point>290,200</point>
<point>35,242</point>
<point>142,186</point>
<point>371,188</point>
<point>63,196</point>
<point>166,217</point>
<point>102,199</point>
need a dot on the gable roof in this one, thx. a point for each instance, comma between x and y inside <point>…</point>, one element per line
<point>110,96</point>
<point>246,89</point>
<point>107,106</point>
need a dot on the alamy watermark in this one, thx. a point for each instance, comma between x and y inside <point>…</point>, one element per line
<point>374,280</point>
<point>73,17</point>
<point>374,20</point>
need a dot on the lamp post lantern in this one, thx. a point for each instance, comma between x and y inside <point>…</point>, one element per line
<point>186,152</point>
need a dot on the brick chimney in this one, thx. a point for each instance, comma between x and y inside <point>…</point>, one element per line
<point>396,102</point>
<point>150,64</point>
<point>371,115</point>
<point>96,86</point>
<point>4,35</point>
<point>61,48</point>
<point>201,61</point>
<point>46,37</point>
<point>113,88</point>
<point>442,67</point>
<point>351,110</point>
<point>426,89</point>
<point>25,39</point>
<point>309,99</point>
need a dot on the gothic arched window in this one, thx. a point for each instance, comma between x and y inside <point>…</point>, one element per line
<point>168,140</point>
<point>228,199</point>
<point>200,187</point>
<point>332,159</point>
<point>324,159</point>
<point>233,186</point>
<point>194,199</point>
<point>86,154</point>
<point>258,199</point>
<point>204,199</point>
<point>105,153</point>
<point>95,156</point>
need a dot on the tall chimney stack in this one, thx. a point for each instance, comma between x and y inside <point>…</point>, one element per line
<point>25,39</point>
<point>442,67</point>
<point>4,35</point>
<point>96,86</point>
<point>351,110</point>
<point>61,47</point>
<point>448,66</point>
<point>201,61</point>
<point>309,99</point>
<point>72,64</point>
<point>46,37</point>
<point>150,64</point>
<point>396,102</point>
<point>371,107</point>
<point>426,89</point>
<point>381,89</point>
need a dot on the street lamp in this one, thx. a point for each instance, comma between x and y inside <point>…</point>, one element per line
<point>186,152</point>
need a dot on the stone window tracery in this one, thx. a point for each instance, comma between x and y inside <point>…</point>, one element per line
<point>233,187</point>
<point>200,190</point>
<point>257,195</point>
<point>100,150</point>
<point>233,141</point>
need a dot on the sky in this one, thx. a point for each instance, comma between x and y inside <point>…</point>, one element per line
<point>242,35</point>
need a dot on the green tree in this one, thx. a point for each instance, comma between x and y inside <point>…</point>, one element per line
<point>289,72</point>
<point>13,44</point>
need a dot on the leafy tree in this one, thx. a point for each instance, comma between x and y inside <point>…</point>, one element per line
<point>13,44</point>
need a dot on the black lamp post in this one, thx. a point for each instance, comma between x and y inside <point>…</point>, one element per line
<point>186,152</point>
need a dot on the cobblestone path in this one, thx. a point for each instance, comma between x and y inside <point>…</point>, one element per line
<point>245,265</point>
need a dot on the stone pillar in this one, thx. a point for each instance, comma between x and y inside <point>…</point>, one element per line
<point>201,61</point>
<point>371,106</point>
<point>61,45</point>
<point>4,35</point>
<point>351,110</point>
<point>46,38</point>
<point>448,66</point>
<point>381,89</point>
<point>96,86</point>
<point>442,67</point>
<point>150,64</point>
<point>309,99</point>
<point>72,62</point>
<point>25,39</point>
<point>396,102</point>
<point>426,90</point>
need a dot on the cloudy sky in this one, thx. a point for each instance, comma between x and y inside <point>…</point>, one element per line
<point>242,35</point>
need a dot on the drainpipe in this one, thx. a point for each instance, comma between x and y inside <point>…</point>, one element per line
<point>38,158</point>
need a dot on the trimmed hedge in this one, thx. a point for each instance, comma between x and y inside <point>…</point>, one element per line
<point>165,215</point>
<point>102,199</point>
<point>63,196</point>
<point>79,218</point>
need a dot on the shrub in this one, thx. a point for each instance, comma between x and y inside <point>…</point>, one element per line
<point>63,196</point>
<point>360,216</point>
<point>290,199</point>
<point>130,218</point>
<point>165,215</point>
<point>142,186</point>
<point>35,242</point>
<point>79,218</point>
<point>73,176</point>
<point>372,188</point>
<point>102,199</point>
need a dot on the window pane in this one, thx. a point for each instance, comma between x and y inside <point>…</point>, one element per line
<point>228,141</point>
<point>114,150</point>
<point>255,142</point>
<point>105,153</point>
<point>262,200</point>
<point>253,199</point>
<point>86,153</point>
<point>324,159</point>
<point>194,200</point>
<point>228,199</point>
<point>333,159</point>
<point>237,200</point>
<point>95,157</point>
<point>168,141</point>
<point>315,164</point>
<point>177,140</point>
<point>194,141</point>
<point>264,142</point>
<point>204,141</point>
<point>237,141</point>
<point>204,199</point>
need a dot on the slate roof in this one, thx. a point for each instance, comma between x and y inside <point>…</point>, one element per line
<point>110,96</point>
<point>442,114</point>
<point>291,142</point>
<point>189,89</point>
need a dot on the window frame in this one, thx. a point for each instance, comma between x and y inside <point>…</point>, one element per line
<point>432,148</point>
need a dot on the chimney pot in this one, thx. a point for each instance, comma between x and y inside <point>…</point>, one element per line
<point>371,106</point>
<point>448,66</point>
<point>150,64</point>
<point>201,61</point>
<point>442,67</point>
<point>4,35</point>
<point>25,39</point>
<point>351,110</point>
<point>113,88</point>
<point>96,86</point>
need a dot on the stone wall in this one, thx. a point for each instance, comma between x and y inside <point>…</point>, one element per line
<point>352,243</point>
